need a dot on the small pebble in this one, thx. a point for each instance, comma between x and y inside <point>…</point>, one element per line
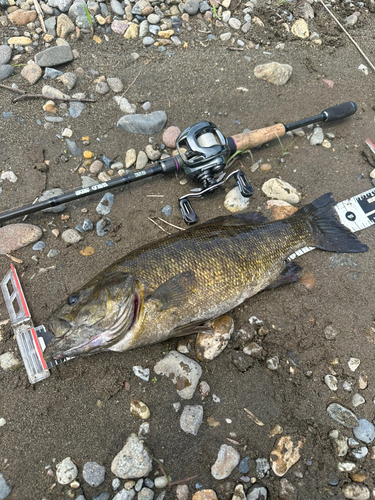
<point>71,236</point>
<point>39,245</point>
<point>106,204</point>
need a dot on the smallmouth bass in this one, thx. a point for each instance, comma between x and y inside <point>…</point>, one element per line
<point>171,287</point>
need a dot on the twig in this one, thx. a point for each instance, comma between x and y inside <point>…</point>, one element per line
<point>347,34</point>
<point>232,441</point>
<point>169,224</point>
<point>235,48</point>
<point>14,259</point>
<point>40,15</point>
<point>253,417</point>
<point>33,203</point>
<point>155,195</point>
<point>156,224</point>
<point>133,82</point>
<point>42,96</point>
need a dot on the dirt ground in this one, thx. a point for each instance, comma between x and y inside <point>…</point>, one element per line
<point>60,416</point>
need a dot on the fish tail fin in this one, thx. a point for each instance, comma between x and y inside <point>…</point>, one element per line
<point>327,231</point>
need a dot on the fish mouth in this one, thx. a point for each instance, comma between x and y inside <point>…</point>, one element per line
<point>68,344</point>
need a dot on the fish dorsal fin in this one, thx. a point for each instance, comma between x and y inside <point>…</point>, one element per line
<point>173,292</point>
<point>242,219</point>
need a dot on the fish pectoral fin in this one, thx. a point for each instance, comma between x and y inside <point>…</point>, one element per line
<point>173,292</point>
<point>290,274</point>
<point>190,329</point>
<point>242,219</point>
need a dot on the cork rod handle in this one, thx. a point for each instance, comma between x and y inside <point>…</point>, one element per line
<point>255,138</point>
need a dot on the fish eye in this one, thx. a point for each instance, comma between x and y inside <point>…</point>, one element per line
<point>73,299</point>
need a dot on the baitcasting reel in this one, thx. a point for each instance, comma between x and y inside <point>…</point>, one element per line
<point>204,151</point>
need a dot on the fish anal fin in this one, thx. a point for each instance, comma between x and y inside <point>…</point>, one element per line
<point>290,274</point>
<point>173,292</point>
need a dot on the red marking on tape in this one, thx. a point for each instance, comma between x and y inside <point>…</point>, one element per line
<point>23,300</point>
<point>37,345</point>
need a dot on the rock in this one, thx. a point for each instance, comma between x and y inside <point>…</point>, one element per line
<point>356,491</point>
<point>262,468</point>
<point>359,453</point>
<point>239,492</point>
<point>191,419</point>
<point>148,40</point>
<point>227,459</point>
<point>300,29</point>
<point>274,72</point>
<point>133,461</point>
<point>139,409</point>
<point>4,488</point>
<point>281,190</point>
<point>358,400</point>
<point>8,361</point>
<point>145,494</point>
<point>51,193</point>
<point>125,105</point>
<point>5,54</point>
<point>182,492</point>
<point>280,209</point>
<point>342,415</point>
<point>161,482</point>
<point>142,373</point>
<point>286,490</point>
<point>39,245</point>
<point>16,236</point>
<point>116,7</point>
<point>93,474</point>
<point>209,345</point>
<point>6,70</point>
<point>170,136</point>
<point>234,23</point>
<point>183,371</point>
<point>69,80</point>
<point>75,109</point>
<point>77,9</point>
<point>54,56</point>
<point>115,84</point>
<point>66,471</point>
<point>105,204</point>
<point>362,380</point>
<point>96,166</point>
<point>141,160</point>
<point>143,124</point>
<point>22,17</point>
<point>102,88</point>
<point>365,431</point>
<point>119,27</point>
<point>132,31</point>
<point>130,158</point>
<point>331,382</point>
<point>235,202</point>
<point>317,136</point>
<point>32,72</point>
<point>121,495</point>
<point>73,148</point>
<point>346,466</point>
<point>286,454</point>
<point>257,492</point>
<point>191,7</point>
<point>19,40</point>
<point>204,495</point>
<point>354,363</point>
<point>351,20</point>
<point>9,175</point>
<point>326,144</point>
<point>71,236</point>
<point>340,441</point>
<point>273,363</point>
<point>65,26</point>
<point>152,153</point>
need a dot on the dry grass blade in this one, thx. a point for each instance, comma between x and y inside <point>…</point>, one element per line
<point>172,225</point>
<point>14,259</point>
<point>158,225</point>
<point>253,417</point>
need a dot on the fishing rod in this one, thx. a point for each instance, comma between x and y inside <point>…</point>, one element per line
<point>203,152</point>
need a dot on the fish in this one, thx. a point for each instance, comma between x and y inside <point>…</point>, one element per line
<point>174,286</point>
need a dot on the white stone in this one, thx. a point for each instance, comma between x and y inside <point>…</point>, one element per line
<point>281,190</point>
<point>8,361</point>
<point>363,68</point>
<point>358,400</point>
<point>9,176</point>
<point>130,158</point>
<point>353,363</point>
<point>235,202</point>
<point>224,37</point>
<point>66,471</point>
<point>67,132</point>
<point>331,382</point>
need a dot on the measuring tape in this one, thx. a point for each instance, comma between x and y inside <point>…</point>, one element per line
<point>355,213</point>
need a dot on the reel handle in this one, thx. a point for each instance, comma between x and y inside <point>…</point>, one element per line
<point>254,138</point>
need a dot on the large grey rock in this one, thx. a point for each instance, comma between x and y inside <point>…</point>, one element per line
<point>6,70</point>
<point>116,7</point>
<point>77,9</point>
<point>133,461</point>
<point>5,54</point>
<point>143,124</point>
<point>54,56</point>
